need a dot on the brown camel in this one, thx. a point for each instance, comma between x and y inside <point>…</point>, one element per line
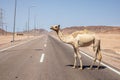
<point>80,39</point>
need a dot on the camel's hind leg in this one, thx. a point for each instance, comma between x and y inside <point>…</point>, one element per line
<point>98,65</point>
<point>98,54</point>
<point>99,58</point>
<point>93,63</point>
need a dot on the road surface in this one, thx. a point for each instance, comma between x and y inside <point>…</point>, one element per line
<point>46,58</point>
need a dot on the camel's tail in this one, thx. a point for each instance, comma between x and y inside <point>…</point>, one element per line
<point>96,46</point>
<point>98,55</point>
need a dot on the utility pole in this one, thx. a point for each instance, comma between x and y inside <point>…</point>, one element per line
<point>34,25</point>
<point>26,26</point>
<point>6,30</point>
<point>14,21</point>
<point>29,19</point>
<point>0,17</point>
<point>1,20</point>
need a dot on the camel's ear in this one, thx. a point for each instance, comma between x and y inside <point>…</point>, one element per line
<point>59,26</point>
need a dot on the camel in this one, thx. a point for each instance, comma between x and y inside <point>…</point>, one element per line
<point>80,39</point>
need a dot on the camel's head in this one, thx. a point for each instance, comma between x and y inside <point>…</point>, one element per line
<point>55,28</point>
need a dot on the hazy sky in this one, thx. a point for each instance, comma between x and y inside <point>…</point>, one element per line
<point>64,12</point>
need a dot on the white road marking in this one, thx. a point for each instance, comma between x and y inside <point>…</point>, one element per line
<point>45,45</point>
<point>112,69</point>
<point>42,57</point>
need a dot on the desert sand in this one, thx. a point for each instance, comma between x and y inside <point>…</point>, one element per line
<point>5,41</point>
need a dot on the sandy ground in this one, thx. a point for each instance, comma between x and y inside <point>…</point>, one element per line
<point>110,42</point>
<point>5,41</point>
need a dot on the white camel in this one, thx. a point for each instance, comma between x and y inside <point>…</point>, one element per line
<point>80,39</point>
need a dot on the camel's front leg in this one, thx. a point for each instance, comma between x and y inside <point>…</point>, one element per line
<point>80,58</point>
<point>99,58</point>
<point>75,60</point>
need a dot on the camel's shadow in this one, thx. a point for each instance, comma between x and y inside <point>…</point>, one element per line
<point>88,66</point>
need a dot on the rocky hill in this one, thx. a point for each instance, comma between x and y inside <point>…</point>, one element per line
<point>36,31</point>
<point>3,32</point>
<point>96,29</point>
<point>31,32</point>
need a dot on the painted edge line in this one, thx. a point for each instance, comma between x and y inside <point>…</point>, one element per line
<point>42,57</point>
<point>114,70</point>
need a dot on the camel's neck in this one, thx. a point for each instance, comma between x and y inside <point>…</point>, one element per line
<point>62,37</point>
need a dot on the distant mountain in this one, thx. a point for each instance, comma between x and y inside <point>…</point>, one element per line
<point>96,29</point>
<point>36,31</point>
<point>3,32</point>
<point>31,32</point>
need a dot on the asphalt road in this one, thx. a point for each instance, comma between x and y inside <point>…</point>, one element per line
<point>46,58</point>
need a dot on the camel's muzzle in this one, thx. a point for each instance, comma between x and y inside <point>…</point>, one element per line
<point>51,28</point>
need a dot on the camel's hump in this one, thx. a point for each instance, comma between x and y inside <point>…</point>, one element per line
<point>74,34</point>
